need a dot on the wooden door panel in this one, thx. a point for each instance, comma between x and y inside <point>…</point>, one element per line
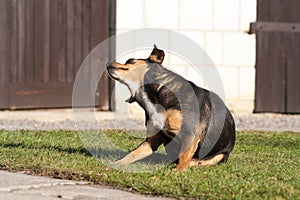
<point>293,74</point>
<point>45,95</point>
<point>42,45</point>
<point>277,59</point>
<point>270,73</point>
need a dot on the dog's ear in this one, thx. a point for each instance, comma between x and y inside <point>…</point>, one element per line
<point>157,55</point>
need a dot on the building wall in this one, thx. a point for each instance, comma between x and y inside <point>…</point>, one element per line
<point>218,26</point>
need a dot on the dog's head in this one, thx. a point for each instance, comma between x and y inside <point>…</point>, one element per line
<point>133,71</point>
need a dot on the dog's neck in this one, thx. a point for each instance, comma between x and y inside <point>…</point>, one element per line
<point>155,112</point>
<point>143,99</point>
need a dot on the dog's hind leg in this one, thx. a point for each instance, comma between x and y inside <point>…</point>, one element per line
<point>212,161</point>
<point>186,157</point>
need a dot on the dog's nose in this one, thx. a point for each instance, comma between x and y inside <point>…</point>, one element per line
<point>108,64</point>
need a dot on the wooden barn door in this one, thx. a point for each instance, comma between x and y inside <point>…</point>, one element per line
<point>43,43</point>
<point>278,56</point>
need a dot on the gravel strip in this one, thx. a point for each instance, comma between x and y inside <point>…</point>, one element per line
<point>268,122</point>
<point>70,125</point>
<point>260,122</point>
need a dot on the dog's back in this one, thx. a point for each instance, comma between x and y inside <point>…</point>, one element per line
<point>220,135</point>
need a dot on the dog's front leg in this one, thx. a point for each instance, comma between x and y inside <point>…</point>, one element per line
<point>142,151</point>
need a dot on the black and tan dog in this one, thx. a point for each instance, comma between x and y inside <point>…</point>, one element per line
<point>192,123</point>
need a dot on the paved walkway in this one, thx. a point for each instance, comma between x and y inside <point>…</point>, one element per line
<point>16,186</point>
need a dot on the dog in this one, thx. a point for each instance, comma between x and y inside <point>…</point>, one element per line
<point>193,124</point>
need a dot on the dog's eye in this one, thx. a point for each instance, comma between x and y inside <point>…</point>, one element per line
<point>131,61</point>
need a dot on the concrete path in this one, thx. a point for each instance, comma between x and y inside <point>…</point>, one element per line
<point>16,186</point>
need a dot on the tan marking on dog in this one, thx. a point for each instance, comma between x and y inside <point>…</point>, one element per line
<point>133,72</point>
<point>201,130</point>
<point>213,161</point>
<point>136,73</point>
<point>157,55</point>
<point>186,157</point>
<point>173,121</point>
<point>143,151</point>
<point>120,66</point>
<point>155,58</point>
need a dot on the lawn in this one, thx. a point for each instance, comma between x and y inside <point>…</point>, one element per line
<point>263,165</point>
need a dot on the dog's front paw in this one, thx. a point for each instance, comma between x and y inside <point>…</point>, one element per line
<point>118,162</point>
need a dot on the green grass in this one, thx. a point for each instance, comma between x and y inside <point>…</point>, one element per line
<point>263,165</point>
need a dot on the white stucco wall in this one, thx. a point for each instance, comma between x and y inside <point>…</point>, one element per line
<point>218,26</point>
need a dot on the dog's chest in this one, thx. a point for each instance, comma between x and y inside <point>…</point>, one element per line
<point>159,119</point>
<point>169,121</point>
